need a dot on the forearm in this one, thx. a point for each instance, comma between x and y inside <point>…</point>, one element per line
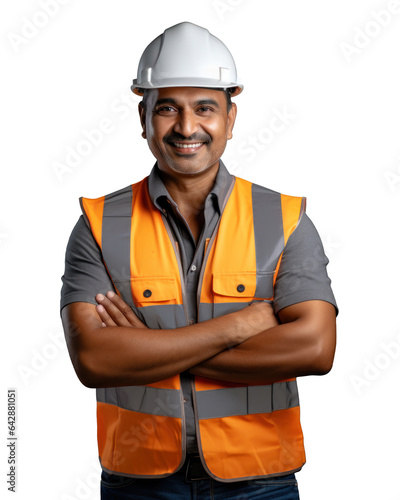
<point>117,356</point>
<point>126,356</point>
<point>276,354</point>
<point>297,348</point>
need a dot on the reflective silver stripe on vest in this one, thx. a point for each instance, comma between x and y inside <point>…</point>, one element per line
<point>166,316</point>
<point>116,239</point>
<point>220,403</point>
<point>269,237</point>
<point>151,400</point>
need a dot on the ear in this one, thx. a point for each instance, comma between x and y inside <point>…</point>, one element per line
<point>231,121</point>
<point>142,115</point>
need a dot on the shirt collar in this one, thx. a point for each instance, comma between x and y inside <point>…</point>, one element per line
<point>159,193</point>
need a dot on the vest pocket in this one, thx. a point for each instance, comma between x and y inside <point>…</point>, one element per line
<point>152,291</point>
<point>236,287</point>
<point>234,291</point>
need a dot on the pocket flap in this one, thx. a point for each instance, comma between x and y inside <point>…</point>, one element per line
<point>153,289</point>
<point>235,285</point>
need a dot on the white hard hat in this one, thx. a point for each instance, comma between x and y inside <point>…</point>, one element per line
<point>186,55</point>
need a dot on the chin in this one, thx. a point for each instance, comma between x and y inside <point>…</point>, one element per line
<point>189,169</point>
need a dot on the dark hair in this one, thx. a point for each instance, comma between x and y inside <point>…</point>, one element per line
<point>227,93</point>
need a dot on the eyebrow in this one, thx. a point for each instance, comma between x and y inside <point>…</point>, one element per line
<point>210,102</point>
<point>201,102</point>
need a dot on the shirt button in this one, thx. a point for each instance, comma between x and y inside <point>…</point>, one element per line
<point>191,322</point>
<point>147,293</point>
<point>240,288</point>
<point>193,268</point>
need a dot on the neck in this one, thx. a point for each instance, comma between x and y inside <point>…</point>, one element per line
<point>189,191</point>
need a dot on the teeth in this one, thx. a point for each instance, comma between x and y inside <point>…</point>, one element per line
<point>187,146</point>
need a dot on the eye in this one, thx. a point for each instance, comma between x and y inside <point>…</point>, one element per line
<point>165,110</point>
<point>205,109</point>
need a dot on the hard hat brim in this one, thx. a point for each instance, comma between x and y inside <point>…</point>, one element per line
<point>138,88</point>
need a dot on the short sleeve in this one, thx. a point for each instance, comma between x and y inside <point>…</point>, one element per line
<point>85,274</point>
<point>302,275</point>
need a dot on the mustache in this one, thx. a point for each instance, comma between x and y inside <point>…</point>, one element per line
<point>181,138</point>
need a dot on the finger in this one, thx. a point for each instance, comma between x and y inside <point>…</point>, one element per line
<point>111,311</point>
<point>105,318</point>
<point>125,309</point>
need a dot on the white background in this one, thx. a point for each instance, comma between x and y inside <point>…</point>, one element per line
<point>334,69</point>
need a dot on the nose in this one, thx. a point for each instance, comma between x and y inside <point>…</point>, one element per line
<point>186,123</point>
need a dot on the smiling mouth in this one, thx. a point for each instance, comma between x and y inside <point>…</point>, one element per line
<point>187,146</point>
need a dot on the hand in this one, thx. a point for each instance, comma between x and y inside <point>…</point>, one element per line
<point>113,311</point>
<point>269,319</point>
<point>258,317</point>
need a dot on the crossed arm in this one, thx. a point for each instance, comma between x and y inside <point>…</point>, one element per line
<point>303,343</point>
<point>109,346</point>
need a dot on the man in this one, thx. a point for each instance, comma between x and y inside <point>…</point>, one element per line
<point>217,309</point>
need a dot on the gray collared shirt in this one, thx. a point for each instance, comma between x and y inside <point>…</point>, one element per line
<point>192,254</point>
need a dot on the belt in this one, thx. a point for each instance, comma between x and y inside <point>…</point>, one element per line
<point>194,470</point>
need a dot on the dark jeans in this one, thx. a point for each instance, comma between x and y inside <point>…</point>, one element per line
<point>175,487</point>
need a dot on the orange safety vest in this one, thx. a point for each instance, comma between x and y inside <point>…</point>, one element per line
<point>244,431</point>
